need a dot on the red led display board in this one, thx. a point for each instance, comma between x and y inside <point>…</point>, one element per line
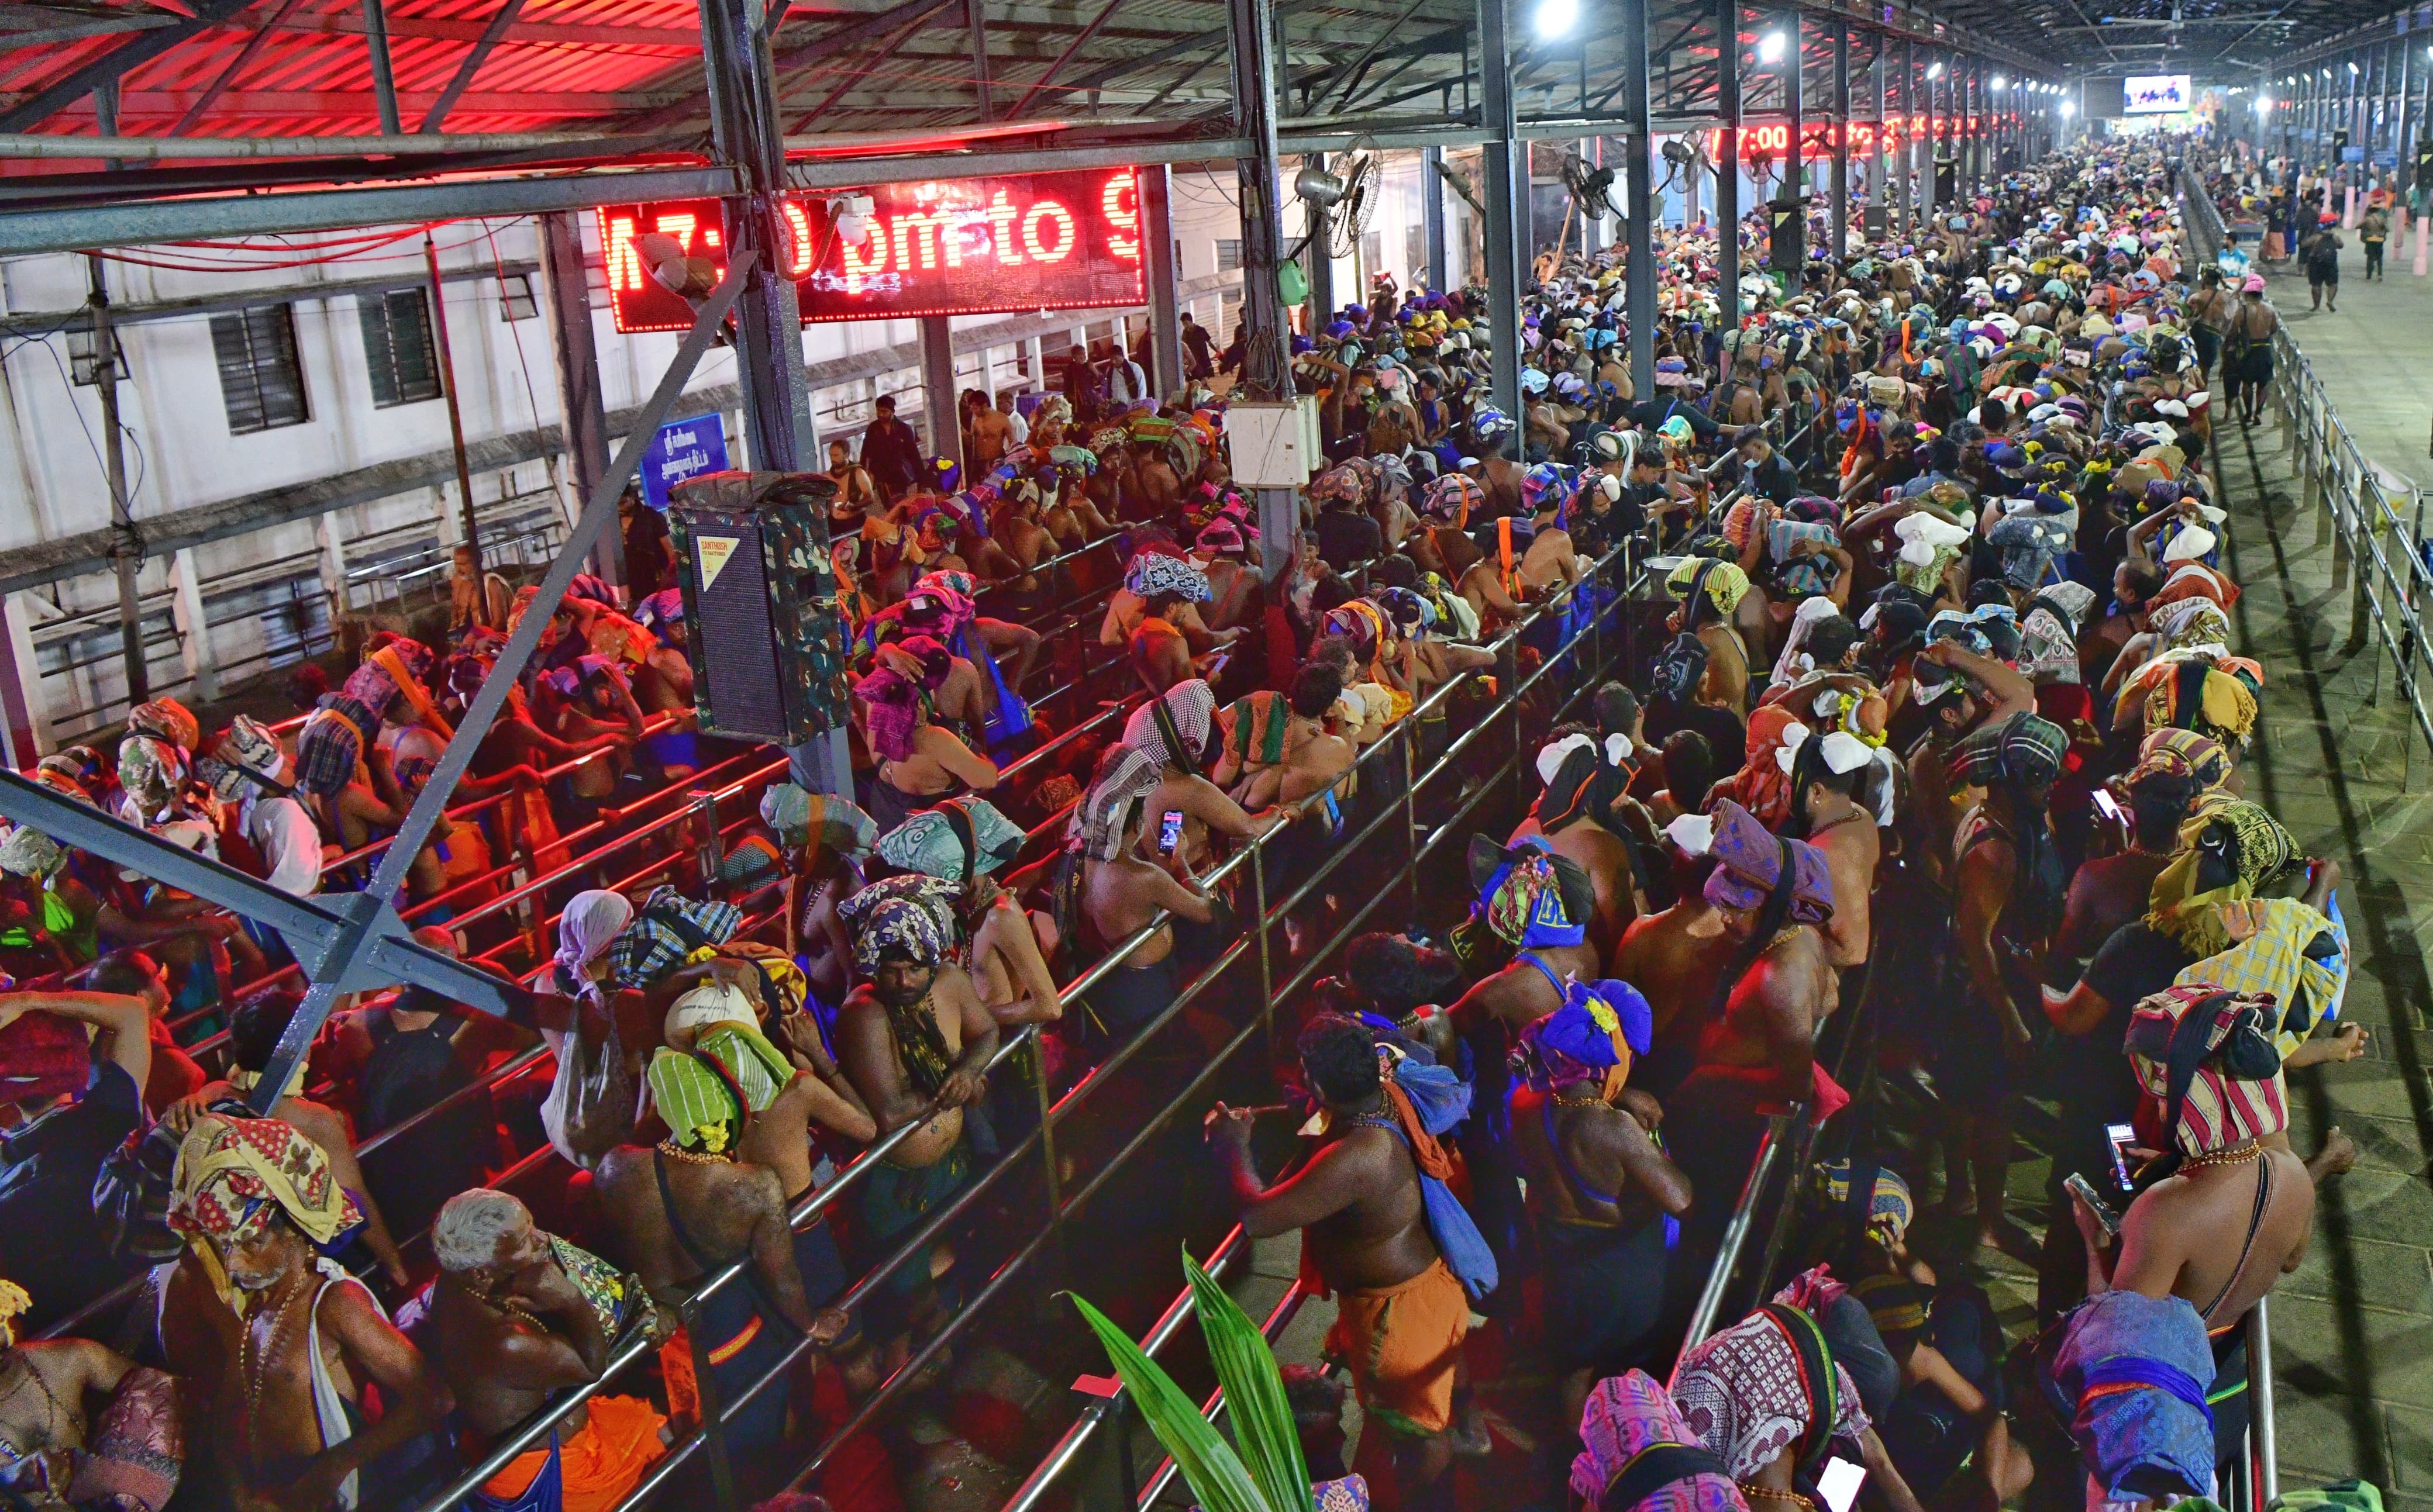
<point>1048,240</point>
<point>1771,138</point>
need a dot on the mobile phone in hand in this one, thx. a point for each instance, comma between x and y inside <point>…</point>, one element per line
<point>1170,832</point>
<point>2083,1190</point>
<point>2120,1136</point>
<point>1838,1483</point>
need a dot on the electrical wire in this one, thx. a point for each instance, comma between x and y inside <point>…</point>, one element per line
<point>374,248</point>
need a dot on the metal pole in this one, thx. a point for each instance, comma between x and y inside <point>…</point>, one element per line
<point>1319,257</point>
<point>1432,222</point>
<point>1839,183</point>
<point>1508,184</point>
<point>125,549</point>
<point>975,19</point>
<point>1157,264</point>
<point>1710,1300</point>
<point>1727,161</point>
<point>1266,363</point>
<point>2259,1396</point>
<point>939,404</point>
<point>1905,162</point>
<point>447,392</point>
<point>384,78</point>
<point>1637,144</point>
<point>1794,157</point>
<point>583,416</point>
<point>745,133</point>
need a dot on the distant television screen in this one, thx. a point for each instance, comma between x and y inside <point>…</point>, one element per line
<point>2155,94</point>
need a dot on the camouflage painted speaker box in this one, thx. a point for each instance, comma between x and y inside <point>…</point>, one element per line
<point>767,642</point>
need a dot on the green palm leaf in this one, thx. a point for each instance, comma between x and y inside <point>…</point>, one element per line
<point>1254,1390</point>
<point>1208,1463</point>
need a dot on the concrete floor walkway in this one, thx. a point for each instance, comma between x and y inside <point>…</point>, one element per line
<point>2373,353</point>
<point>2353,1328</point>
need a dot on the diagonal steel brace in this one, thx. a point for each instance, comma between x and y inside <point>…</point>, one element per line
<point>351,942</point>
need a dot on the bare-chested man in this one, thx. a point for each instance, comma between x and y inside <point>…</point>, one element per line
<point>917,1043</point>
<point>685,1210</point>
<point>1825,775</point>
<point>1757,1049</point>
<point>519,1314</point>
<point>1402,1313</point>
<point>1578,817</point>
<point>1121,893</point>
<point>2238,1210</point>
<point>52,1438</point>
<point>306,1338</point>
<point>1675,956</point>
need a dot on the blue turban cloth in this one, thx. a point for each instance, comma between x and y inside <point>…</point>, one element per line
<point>2131,1374</point>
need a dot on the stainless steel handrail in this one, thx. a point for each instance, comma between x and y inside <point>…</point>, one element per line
<point>1247,856</point>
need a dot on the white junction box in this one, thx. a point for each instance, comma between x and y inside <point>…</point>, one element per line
<point>1274,446</point>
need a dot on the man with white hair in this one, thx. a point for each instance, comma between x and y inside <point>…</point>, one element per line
<point>518,1314</point>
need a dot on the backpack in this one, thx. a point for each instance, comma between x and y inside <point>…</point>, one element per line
<point>1682,664</point>
<point>594,1097</point>
<point>136,1188</point>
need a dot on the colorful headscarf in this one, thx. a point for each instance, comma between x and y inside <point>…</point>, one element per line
<point>2296,958</point>
<point>2223,707</point>
<point>1889,1203</point>
<point>1625,1417</point>
<point>167,720</point>
<point>1594,1037</point>
<point>233,1173</point>
<point>900,925</point>
<point>817,822</point>
<point>2223,856</point>
<point>2220,1045</point>
<point>2024,750</point>
<point>1726,582</point>
<point>1191,705</point>
<point>702,1110</point>
<point>1523,903</point>
<point>2182,753</point>
<point>1154,574</point>
<point>1750,863</point>
<point>591,921</point>
<point>932,842</point>
<point>1742,1393</point>
<point>25,851</point>
<point>1452,498</point>
<point>1761,786</point>
<point>1124,778</point>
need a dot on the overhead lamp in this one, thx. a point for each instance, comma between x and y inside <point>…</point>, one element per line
<point>1769,47</point>
<point>2264,105</point>
<point>1934,70</point>
<point>1556,18</point>
<point>2353,67</point>
<point>2067,110</point>
<point>2000,81</point>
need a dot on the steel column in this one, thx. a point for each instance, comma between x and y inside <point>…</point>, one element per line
<point>1839,180</point>
<point>1507,187</point>
<point>1267,362</point>
<point>1432,220</point>
<point>1905,162</point>
<point>1728,162</point>
<point>125,557</point>
<point>1638,145</point>
<point>2402,166</point>
<point>938,396</point>
<point>1320,260</point>
<point>1795,166</point>
<point>1158,268</point>
<point>582,414</point>
<point>976,20</point>
<point>384,78</point>
<point>444,351</point>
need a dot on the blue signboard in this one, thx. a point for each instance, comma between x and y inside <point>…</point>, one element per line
<point>2353,154</point>
<point>683,449</point>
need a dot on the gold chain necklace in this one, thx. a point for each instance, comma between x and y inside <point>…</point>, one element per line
<point>1767,1493</point>
<point>687,1157</point>
<point>253,1366</point>
<point>2239,1157</point>
<point>1562,1101</point>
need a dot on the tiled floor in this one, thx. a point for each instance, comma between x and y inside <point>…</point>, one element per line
<point>2337,761</point>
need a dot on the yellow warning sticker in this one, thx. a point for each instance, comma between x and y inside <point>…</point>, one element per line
<point>712,552</point>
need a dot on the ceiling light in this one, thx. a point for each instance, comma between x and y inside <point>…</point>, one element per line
<point>1556,18</point>
<point>1935,72</point>
<point>2263,105</point>
<point>2351,68</point>
<point>2000,82</point>
<point>2067,110</point>
<point>1769,47</point>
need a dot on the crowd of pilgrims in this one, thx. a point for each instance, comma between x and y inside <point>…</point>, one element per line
<point>1945,728</point>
